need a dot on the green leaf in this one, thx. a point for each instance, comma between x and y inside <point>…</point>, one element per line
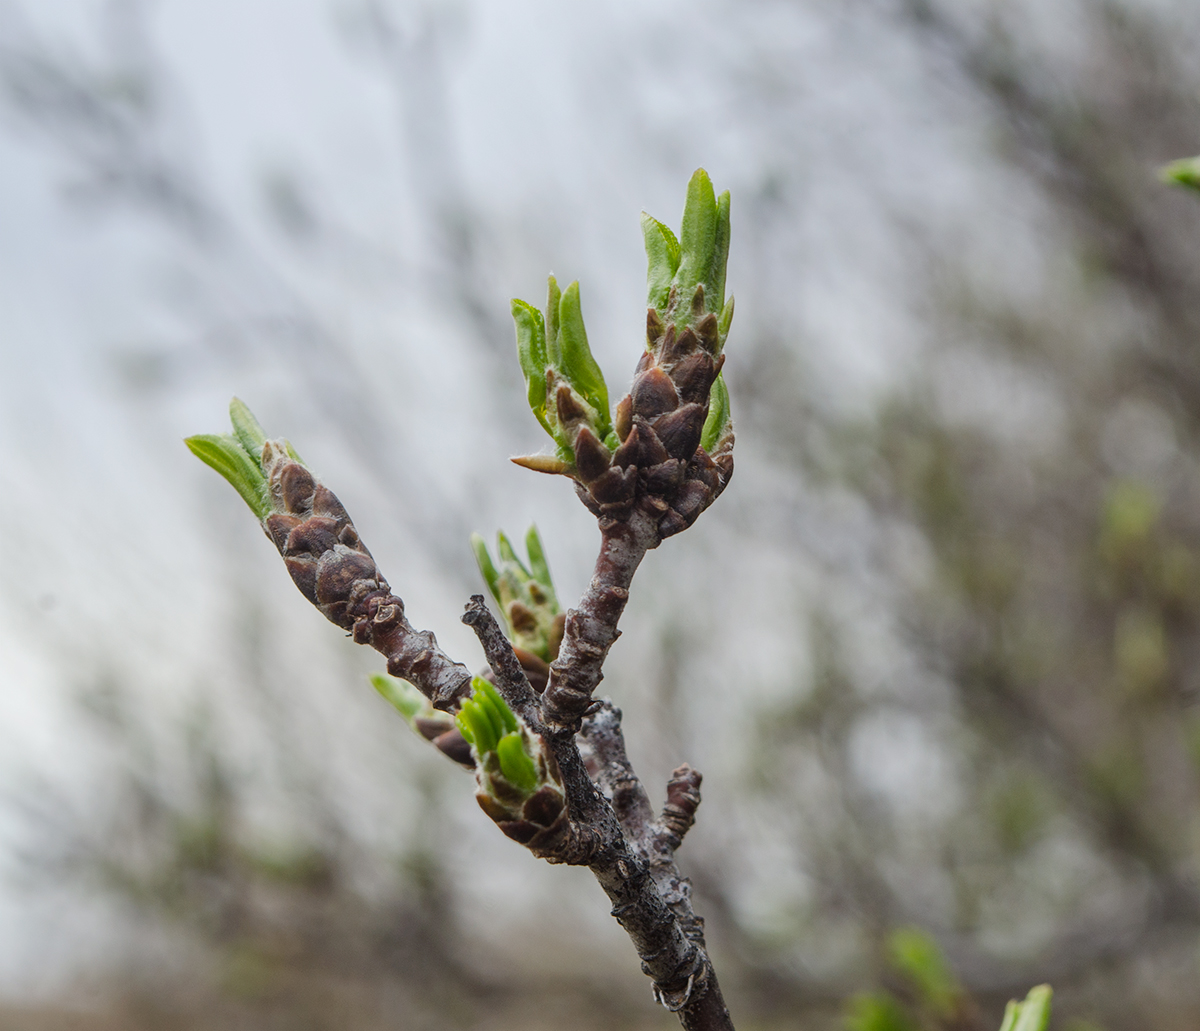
<point>576,361</point>
<point>877,1012</point>
<point>486,568</point>
<point>515,764</point>
<point>532,354</point>
<point>247,430</point>
<point>505,550</point>
<point>488,691</point>
<point>538,564</point>
<point>1011,1012</point>
<point>402,696</point>
<point>718,414</point>
<point>1185,173</point>
<point>553,300</point>
<point>662,260</point>
<point>715,293</point>
<point>476,727</point>
<point>725,320</point>
<point>1035,1010</point>
<point>224,453</point>
<point>697,237</point>
<point>916,955</point>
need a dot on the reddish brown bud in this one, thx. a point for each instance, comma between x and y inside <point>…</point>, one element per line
<point>278,527</point>
<point>592,458</point>
<point>303,571</point>
<point>650,448</point>
<point>653,393</point>
<point>709,334</point>
<point>522,619</point>
<point>453,744</point>
<point>698,301</point>
<point>666,344</point>
<point>585,495</point>
<point>543,806</point>
<point>521,831</point>
<point>694,377</point>
<point>296,487</point>
<point>536,669</point>
<point>338,570</point>
<point>615,485</point>
<point>569,408</point>
<point>654,326</point>
<point>665,477</point>
<point>685,344</point>
<point>680,430</point>
<point>325,503</point>
<point>431,727</point>
<point>314,536</point>
<point>624,418</point>
<point>692,499</point>
<point>671,524</point>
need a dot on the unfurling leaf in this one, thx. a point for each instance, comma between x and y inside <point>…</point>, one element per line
<point>401,695</point>
<point>531,352</point>
<point>1185,172</point>
<point>1031,1015</point>
<point>718,419</point>
<point>524,594</point>
<point>576,361</point>
<point>224,453</point>
<point>662,260</point>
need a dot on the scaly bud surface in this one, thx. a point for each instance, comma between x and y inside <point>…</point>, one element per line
<point>526,598</point>
<point>668,449</point>
<point>517,780</point>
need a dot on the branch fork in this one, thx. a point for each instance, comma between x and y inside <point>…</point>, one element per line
<point>550,761</point>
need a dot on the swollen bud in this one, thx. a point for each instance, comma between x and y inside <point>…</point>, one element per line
<point>517,781</point>
<point>524,594</point>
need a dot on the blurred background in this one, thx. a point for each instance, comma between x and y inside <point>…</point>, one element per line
<point>936,651</point>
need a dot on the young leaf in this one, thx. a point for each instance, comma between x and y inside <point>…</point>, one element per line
<point>725,320</point>
<point>576,361</point>
<point>720,258</point>
<point>247,430</point>
<point>224,453</point>
<point>515,764</point>
<point>532,354</point>
<point>486,569</point>
<point>1035,1010</point>
<point>662,260</point>
<point>698,236</point>
<point>402,696</point>
<point>538,564</point>
<point>1185,172</point>
<point>718,414</point>
<point>553,300</point>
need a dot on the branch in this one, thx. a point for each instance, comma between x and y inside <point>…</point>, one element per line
<point>334,570</point>
<point>622,848</point>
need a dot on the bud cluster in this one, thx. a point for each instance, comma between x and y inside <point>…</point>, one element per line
<point>434,726</point>
<point>527,602</point>
<point>669,450</point>
<point>517,780</point>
